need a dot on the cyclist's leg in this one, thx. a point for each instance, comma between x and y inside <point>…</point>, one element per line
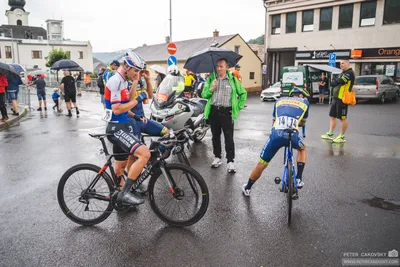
<point>154,128</point>
<point>273,144</point>
<point>119,163</point>
<point>299,143</point>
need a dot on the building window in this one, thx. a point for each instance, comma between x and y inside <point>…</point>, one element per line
<point>8,52</point>
<point>237,49</point>
<point>276,24</point>
<point>19,22</point>
<point>367,15</point>
<point>308,20</point>
<point>346,16</point>
<point>80,55</point>
<point>36,54</point>
<point>392,11</point>
<point>251,75</point>
<point>291,22</point>
<point>325,19</point>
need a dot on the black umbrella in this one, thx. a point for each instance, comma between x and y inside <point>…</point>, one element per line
<point>7,70</point>
<point>205,60</point>
<point>65,64</point>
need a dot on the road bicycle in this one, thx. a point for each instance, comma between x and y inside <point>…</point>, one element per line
<point>178,194</point>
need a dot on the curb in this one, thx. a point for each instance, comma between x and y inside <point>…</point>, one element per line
<point>10,122</point>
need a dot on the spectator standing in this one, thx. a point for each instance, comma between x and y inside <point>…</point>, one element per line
<point>236,72</point>
<point>3,85</point>
<point>189,82</point>
<point>110,71</point>
<point>79,83</point>
<point>226,97</point>
<point>12,92</point>
<point>339,110</point>
<point>68,89</point>
<point>55,97</point>
<point>41,91</point>
<point>100,84</point>
<point>322,86</point>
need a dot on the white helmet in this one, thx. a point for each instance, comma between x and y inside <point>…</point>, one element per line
<point>173,69</point>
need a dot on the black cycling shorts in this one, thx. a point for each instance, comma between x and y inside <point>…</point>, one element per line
<point>123,139</point>
<point>338,109</point>
<point>70,96</point>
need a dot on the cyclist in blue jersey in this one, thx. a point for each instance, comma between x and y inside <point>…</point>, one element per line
<point>119,101</point>
<point>110,71</point>
<point>145,125</point>
<point>289,113</point>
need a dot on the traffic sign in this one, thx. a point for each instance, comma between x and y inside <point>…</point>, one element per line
<point>332,59</point>
<point>172,61</point>
<point>171,48</point>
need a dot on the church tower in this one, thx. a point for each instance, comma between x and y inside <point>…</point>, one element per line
<point>17,14</point>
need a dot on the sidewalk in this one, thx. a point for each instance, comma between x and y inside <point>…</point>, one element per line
<point>11,118</point>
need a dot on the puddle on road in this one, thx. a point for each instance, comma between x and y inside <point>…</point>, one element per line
<point>381,203</point>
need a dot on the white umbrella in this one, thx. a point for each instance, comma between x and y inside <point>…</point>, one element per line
<point>159,69</point>
<point>39,72</point>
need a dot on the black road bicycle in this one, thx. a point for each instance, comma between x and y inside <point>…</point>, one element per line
<point>177,193</point>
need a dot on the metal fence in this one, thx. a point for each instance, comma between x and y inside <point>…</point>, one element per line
<point>92,87</point>
<point>24,95</point>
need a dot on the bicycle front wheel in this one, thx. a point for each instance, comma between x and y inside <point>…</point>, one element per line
<point>290,190</point>
<point>84,195</point>
<point>184,202</point>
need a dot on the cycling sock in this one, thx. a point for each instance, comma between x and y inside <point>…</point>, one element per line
<point>330,133</point>
<point>300,169</point>
<point>250,184</point>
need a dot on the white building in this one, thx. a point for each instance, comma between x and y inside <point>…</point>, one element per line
<point>30,46</point>
<point>307,31</point>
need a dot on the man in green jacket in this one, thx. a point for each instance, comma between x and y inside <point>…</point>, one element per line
<point>226,96</point>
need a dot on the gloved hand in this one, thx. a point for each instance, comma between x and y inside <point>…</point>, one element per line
<point>142,96</point>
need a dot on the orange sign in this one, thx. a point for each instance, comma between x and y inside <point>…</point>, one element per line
<point>162,97</point>
<point>356,53</point>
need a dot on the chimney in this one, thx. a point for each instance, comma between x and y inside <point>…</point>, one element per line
<point>167,39</point>
<point>216,33</point>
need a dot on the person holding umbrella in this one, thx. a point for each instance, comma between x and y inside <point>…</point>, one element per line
<point>3,85</point>
<point>68,89</point>
<point>226,96</point>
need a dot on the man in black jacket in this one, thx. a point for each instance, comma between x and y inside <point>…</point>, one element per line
<point>100,84</point>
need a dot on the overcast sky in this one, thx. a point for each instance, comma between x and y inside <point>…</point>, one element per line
<point>112,25</point>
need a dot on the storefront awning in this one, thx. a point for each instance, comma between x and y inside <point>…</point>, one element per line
<point>325,68</point>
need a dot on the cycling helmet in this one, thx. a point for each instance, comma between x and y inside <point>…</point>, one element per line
<point>297,91</point>
<point>173,69</point>
<point>134,60</point>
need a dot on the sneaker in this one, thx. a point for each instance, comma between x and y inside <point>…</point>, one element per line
<point>77,112</point>
<point>141,189</point>
<point>327,136</point>
<point>300,183</point>
<point>69,114</point>
<point>4,119</point>
<point>339,139</point>
<point>39,109</point>
<point>216,163</point>
<point>15,113</point>
<point>245,191</point>
<point>231,167</point>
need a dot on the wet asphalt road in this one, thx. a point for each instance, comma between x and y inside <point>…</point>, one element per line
<point>350,203</point>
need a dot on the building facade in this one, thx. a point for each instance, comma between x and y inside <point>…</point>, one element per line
<point>306,31</point>
<point>30,46</point>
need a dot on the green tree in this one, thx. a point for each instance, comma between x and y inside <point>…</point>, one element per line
<point>258,40</point>
<point>56,55</point>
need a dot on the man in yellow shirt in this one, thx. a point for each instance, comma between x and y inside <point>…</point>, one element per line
<point>189,82</point>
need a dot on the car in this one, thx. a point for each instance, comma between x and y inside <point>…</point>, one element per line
<point>376,87</point>
<point>271,93</point>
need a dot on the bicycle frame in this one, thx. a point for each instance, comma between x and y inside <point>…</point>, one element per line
<point>288,156</point>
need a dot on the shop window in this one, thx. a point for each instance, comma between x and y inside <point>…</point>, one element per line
<point>308,21</point>
<point>392,11</point>
<point>251,75</point>
<point>368,13</point>
<point>276,24</point>
<point>390,69</point>
<point>325,19</point>
<point>291,22</point>
<point>346,16</point>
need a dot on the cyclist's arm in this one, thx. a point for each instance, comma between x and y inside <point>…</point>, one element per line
<point>149,87</point>
<point>119,108</point>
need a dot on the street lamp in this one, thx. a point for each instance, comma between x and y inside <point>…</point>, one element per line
<point>170,20</point>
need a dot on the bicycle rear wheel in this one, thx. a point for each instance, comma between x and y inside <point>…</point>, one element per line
<point>290,190</point>
<point>186,202</point>
<point>85,196</point>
